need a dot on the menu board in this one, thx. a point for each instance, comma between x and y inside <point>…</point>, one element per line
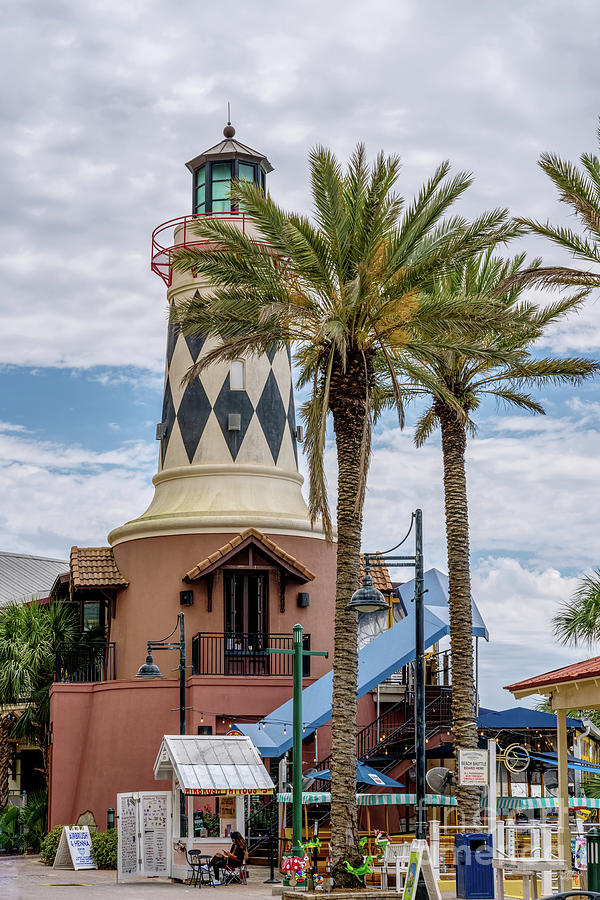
<point>128,857</point>
<point>144,829</point>
<point>155,827</point>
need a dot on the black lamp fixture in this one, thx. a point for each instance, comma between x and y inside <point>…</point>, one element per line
<point>367,598</point>
<point>149,669</point>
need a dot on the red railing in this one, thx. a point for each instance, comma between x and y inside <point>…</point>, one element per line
<point>162,248</point>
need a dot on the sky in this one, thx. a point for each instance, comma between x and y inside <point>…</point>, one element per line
<point>104,102</point>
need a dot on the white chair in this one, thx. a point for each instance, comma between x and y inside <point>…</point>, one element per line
<point>395,860</point>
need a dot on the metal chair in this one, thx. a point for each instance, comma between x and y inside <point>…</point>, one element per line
<point>206,875</point>
<point>235,874</point>
<point>193,860</point>
<point>201,869</point>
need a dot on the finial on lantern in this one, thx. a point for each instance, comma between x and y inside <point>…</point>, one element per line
<point>229,130</point>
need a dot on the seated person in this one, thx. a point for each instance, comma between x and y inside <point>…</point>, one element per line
<point>234,858</point>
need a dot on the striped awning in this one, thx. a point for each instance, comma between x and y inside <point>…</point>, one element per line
<point>371,799</point>
<point>518,803</point>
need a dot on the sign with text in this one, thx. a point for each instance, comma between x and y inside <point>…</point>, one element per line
<point>74,849</point>
<point>420,868</point>
<point>473,768</point>
<point>144,831</point>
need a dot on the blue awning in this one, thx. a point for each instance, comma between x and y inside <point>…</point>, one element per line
<point>573,762</point>
<point>518,717</point>
<point>436,599</point>
<point>379,659</point>
<point>383,656</point>
<point>365,775</point>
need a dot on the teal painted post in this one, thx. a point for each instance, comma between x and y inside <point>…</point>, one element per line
<point>297,742</point>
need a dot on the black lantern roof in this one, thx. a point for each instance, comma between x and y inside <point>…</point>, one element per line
<point>229,148</point>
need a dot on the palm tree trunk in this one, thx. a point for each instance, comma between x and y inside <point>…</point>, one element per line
<point>349,408</point>
<point>454,442</point>
<point>5,754</point>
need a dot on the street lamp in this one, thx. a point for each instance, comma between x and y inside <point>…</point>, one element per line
<point>368,599</point>
<point>149,669</point>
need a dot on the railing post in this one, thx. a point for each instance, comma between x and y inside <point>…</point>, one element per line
<point>499,845</point>
<point>546,851</point>
<point>434,843</point>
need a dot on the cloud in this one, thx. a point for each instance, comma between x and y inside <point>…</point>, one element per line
<point>56,495</point>
<point>532,486</point>
<point>107,109</point>
<point>518,604</point>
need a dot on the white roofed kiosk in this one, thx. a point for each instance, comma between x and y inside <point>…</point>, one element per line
<point>200,766</point>
<point>572,687</point>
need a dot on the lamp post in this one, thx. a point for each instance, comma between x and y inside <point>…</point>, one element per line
<point>298,653</point>
<point>368,599</point>
<point>150,670</point>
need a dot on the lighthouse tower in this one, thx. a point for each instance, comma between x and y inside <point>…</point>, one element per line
<point>228,440</point>
<point>227,532</point>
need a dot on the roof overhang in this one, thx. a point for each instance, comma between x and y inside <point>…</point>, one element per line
<point>251,536</point>
<point>208,765</point>
<point>572,687</point>
<point>581,694</point>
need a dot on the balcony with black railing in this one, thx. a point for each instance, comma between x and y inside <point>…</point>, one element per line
<point>85,662</point>
<point>244,653</point>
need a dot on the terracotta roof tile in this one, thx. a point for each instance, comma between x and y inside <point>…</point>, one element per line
<point>94,567</point>
<point>260,538</point>
<point>588,668</point>
<point>379,574</point>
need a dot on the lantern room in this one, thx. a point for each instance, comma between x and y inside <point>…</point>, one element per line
<point>215,169</point>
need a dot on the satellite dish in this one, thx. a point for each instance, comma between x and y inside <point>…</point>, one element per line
<point>308,779</point>
<point>440,780</point>
<point>550,780</point>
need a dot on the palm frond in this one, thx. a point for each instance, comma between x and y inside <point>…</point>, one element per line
<point>578,619</point>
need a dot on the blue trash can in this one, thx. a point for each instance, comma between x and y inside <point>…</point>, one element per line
<point>473,854</point>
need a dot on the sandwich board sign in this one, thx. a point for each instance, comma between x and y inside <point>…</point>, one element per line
<point>419,866</point>
<point>144,834</point>
<point>74,849</point>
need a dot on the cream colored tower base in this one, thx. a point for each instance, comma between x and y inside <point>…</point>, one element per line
<point>228,457</point>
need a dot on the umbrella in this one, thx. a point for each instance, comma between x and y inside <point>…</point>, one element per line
<point>365,775</point>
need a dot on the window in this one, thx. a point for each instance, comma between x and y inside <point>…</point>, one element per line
<point>200,190</point>
<point>221,186</point>
<point>236,375</point>
<point>246,172</point>
<point>91,616</point>
<point>245,604</point>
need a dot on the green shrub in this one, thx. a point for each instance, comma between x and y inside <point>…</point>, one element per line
<point>49,845</point>
<point>33,819</point>
<point>104,848</point>
<point>11,839</point>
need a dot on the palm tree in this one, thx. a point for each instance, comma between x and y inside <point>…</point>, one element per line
<point>455,383</point>
<point>344,291</point>
<point>29,637</point>
<point>579,188</point>
<point>578,620</point>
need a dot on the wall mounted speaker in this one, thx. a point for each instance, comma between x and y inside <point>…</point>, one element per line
<point>186,598</point>
<point>303,599</point>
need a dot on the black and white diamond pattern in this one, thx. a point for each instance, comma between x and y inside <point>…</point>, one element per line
<point>197,416</point>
